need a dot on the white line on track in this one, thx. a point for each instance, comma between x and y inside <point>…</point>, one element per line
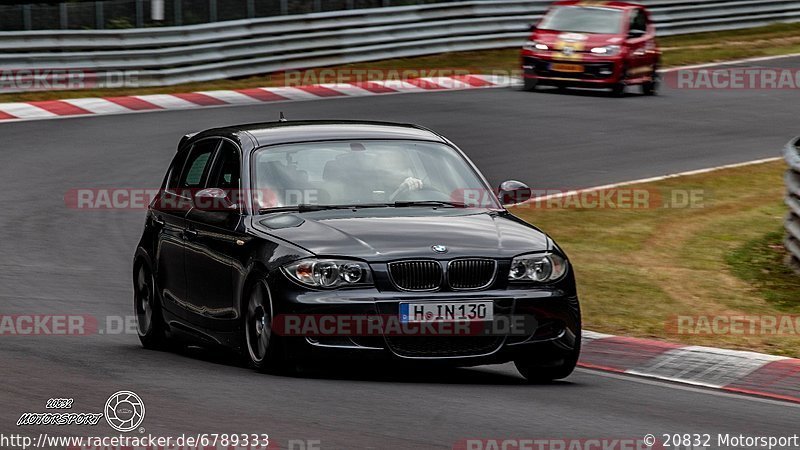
<point>658,178</point>
<point>730,63</point>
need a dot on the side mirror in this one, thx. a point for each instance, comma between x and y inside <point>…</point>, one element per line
<point>533,27</point>
<point>633,34</point>
<point>512,192</point>
<point>213,199</point>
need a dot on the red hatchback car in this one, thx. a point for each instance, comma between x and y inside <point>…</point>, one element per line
<point>593,44</point>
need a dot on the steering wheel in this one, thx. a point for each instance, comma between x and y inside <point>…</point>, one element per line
<point>404,188</point>
<point>426,193</point>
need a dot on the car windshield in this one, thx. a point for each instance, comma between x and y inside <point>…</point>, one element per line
<point>583,19</point>
<point>365,173</point>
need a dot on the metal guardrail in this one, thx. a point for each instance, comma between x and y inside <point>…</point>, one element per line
<point>121,14</point>
<point>791,154</point>
<point>172,55</point>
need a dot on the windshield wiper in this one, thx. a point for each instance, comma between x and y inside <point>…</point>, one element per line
<point>307,207</point>
<point>430,203</point>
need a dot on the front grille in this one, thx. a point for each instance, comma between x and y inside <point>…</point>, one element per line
<point>443,346</point>
<point>470,273</point>
<point>416,275</point>
<point>591,70</point>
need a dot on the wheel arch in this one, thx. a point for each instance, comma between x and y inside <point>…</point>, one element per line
<point>141,256</point>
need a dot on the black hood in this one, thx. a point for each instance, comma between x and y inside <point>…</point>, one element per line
<point>390,233</point>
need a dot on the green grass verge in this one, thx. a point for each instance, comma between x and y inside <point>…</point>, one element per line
<point>769,40</point>
<point>639,269</point>
<point>761,262</point>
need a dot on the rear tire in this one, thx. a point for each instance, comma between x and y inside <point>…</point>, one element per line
<point>150,324</point>
<point>261,345</point>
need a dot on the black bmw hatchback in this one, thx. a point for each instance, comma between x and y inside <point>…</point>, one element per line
<point>291,241</point>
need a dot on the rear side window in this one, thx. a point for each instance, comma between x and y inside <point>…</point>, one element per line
<point>195,171</point>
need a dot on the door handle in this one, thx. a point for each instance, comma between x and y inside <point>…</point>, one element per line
<point>190,233</point>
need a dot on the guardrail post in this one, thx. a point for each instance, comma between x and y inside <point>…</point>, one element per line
<point>26,17</point>
<point>62,16</point>
<point>99,17</point>
<point>791,154</point>
<point>178,10</point>
<point>212,10</point>
<point>139,13</point>
<point>251,9</point>
<point>351,4</point>
<point>317,5</point>
<point>284,7</point>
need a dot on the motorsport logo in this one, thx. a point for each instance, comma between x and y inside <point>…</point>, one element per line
<point>124,411</point>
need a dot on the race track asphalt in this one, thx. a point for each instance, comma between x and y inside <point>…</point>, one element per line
<point>61,260</point>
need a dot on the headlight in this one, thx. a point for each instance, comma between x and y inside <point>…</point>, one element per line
<point>329,273</point>
<point>538,268</point>
<point>533,45</point>
<point>608,50</point>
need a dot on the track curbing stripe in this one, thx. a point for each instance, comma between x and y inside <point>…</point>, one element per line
<point>738,371</point>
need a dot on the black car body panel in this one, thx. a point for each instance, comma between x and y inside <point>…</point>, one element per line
<point>204,261</point>
<point>382,235</point>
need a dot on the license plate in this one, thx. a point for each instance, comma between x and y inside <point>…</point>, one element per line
<point>566,68</point>
<point>446,312</point>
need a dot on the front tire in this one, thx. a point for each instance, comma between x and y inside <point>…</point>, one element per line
<point>536,371</point>
<point>618,89</point>
<point>261,344</point>
<point>651,87</point>
<point>150,324</point>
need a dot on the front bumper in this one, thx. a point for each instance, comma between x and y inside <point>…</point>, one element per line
<point>546,322</point>
<point>597,71</point>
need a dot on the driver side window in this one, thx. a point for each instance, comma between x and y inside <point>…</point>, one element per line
<point>638,21</point>
<point>226,172</point>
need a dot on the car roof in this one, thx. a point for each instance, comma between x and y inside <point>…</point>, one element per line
<point>269,133</point>
<point>605,4</point>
